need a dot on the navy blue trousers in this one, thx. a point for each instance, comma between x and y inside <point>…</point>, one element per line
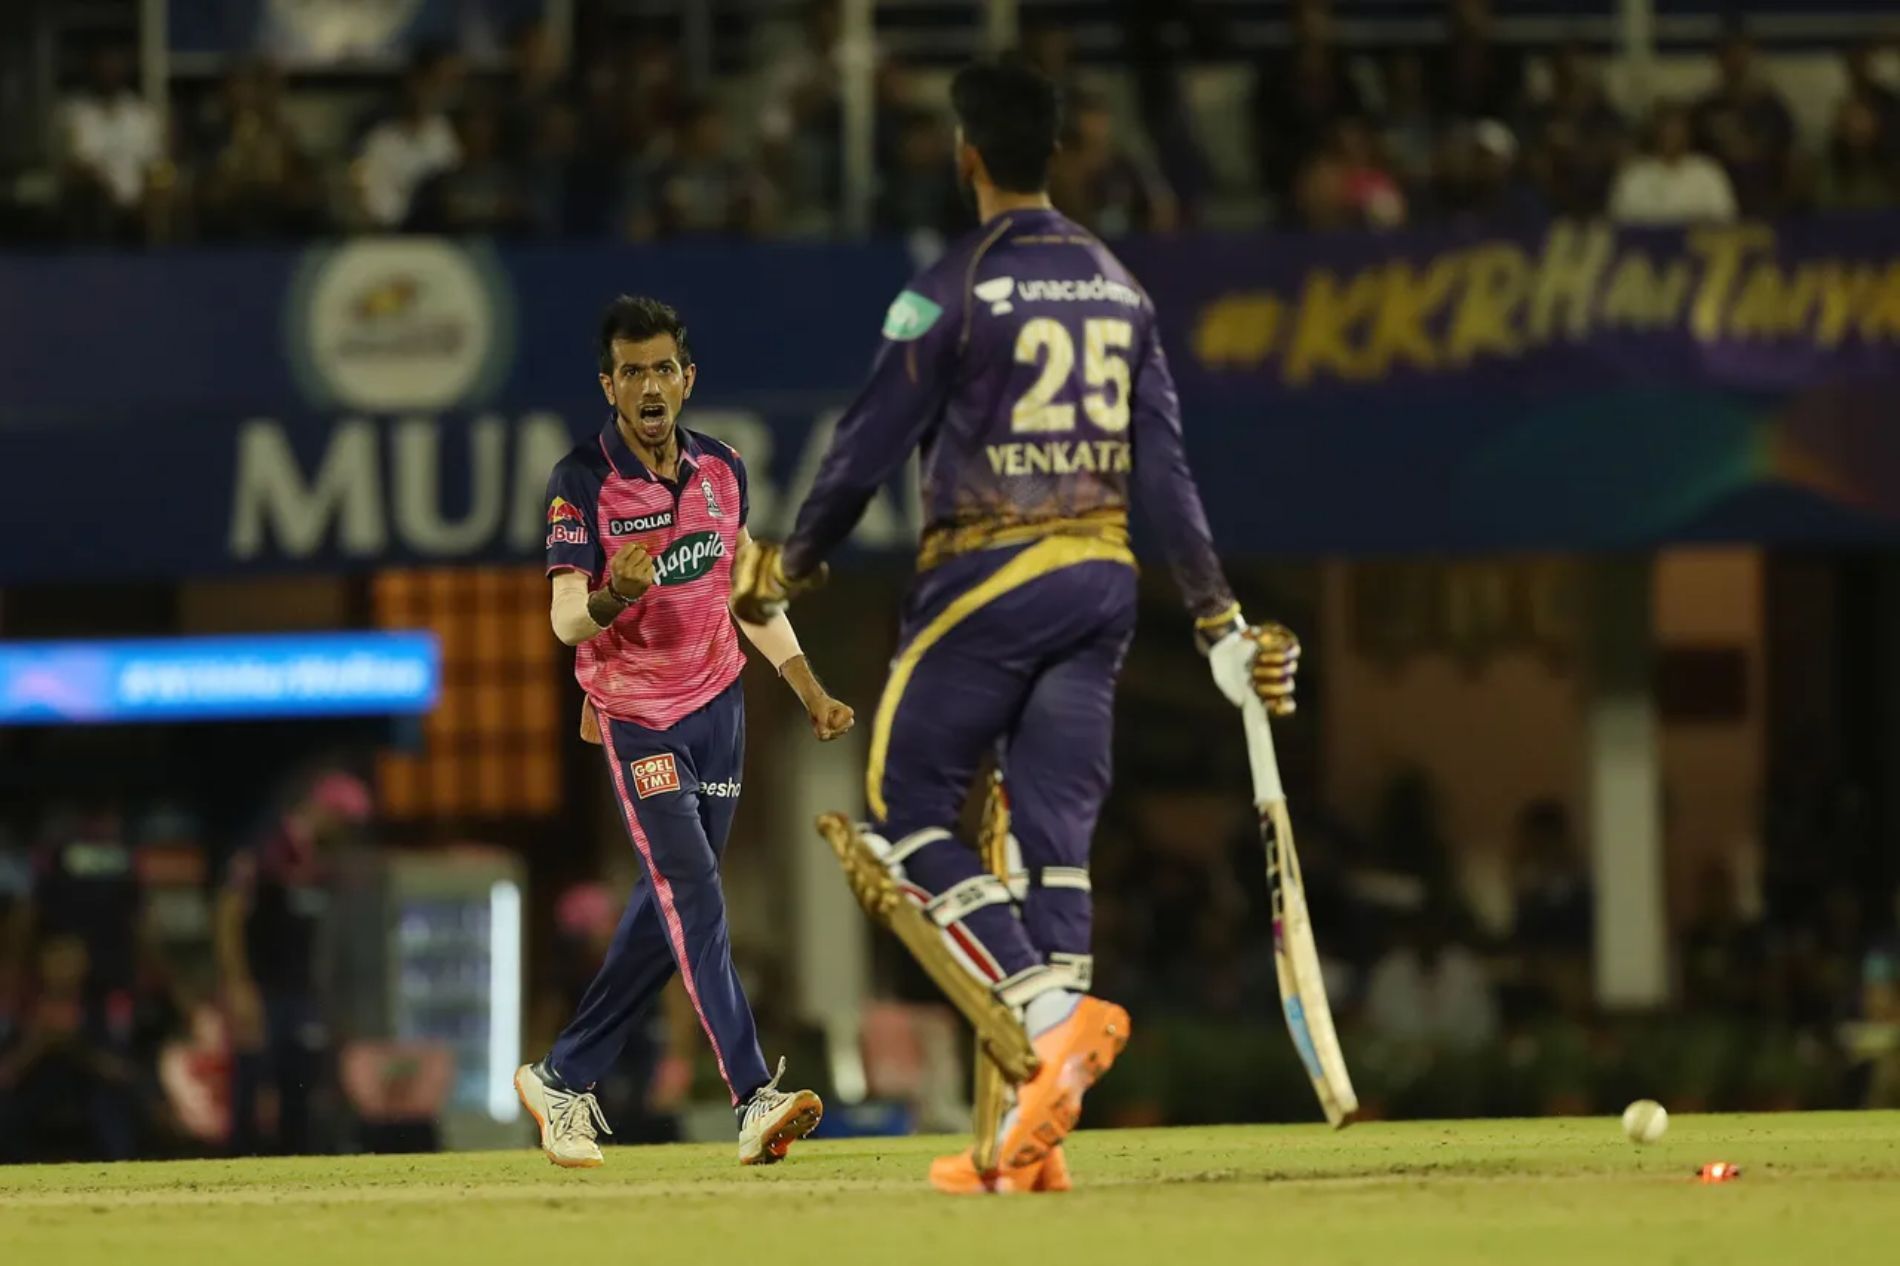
<point>677,789</point>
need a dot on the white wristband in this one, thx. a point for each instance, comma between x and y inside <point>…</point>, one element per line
<point>775,640</point>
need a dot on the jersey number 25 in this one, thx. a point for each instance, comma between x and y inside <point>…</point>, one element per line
<point>1048,342</point>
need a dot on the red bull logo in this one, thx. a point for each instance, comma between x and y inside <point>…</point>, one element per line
<point>567,525</point>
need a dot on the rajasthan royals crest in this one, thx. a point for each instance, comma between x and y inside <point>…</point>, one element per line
<point>712,502</point>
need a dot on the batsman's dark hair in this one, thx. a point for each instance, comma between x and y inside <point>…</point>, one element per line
<point>1010,112</point>
<point>636,317</point>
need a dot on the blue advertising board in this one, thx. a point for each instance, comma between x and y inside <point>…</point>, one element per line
<point>402,399</point>
<point>218,678</point>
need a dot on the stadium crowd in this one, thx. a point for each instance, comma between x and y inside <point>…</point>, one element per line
<point>617,146</point>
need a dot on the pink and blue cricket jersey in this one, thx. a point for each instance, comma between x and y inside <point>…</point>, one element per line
<point>664,681</point>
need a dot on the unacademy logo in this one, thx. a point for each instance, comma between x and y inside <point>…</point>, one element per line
<point>995,292</point>
<point>1096,289</point>
<point>689,558</point>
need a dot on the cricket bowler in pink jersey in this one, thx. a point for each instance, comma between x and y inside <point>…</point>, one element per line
<point>1025,369</point>
<point>643,522</point>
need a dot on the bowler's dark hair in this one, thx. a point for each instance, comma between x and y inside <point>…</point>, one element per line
<point>1010,113</point>
<point>635,318</point>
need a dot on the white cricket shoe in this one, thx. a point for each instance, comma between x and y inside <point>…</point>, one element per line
<point>773,1119</point>
<point>569,1120</point>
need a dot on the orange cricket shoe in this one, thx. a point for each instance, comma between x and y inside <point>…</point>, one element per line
<point>1074,1055</point>
<point>957,1176</point>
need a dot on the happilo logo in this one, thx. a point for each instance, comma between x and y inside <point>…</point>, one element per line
<point>398,323</point>
<point>688,558</point>
<point>654,774</point>
<point>995,292</point>
<point>1096,289</point>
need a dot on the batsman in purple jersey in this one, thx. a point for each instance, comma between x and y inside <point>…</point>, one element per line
<point>1026,370</point>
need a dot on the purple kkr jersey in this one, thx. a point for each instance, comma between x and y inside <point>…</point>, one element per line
<point>1026,368</point>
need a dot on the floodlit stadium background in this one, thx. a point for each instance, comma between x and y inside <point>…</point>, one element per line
<point>1573,467</point>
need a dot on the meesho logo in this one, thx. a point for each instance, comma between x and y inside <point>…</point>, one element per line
<point>688,558</point>
<point>395,323</point>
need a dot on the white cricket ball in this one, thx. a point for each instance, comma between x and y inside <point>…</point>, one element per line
<point>1645,1121</point>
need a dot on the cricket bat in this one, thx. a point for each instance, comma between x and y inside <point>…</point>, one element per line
<point>989,1095</point>
<point>1309,1018</point>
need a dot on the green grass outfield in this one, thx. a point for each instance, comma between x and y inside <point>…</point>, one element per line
<point>1818,1188</point>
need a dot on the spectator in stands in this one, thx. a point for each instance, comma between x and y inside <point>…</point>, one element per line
<point>1747,127</point>
<point>86,885</point>
<point>1671,183</point>
<point>268,925</point>
<point>1049,46</point>
<point>1819,957</point>
<point>703,188</point>
<point>655,90</point>
<point>1430,990</point>
<point>1410,129</point>
<point>1880,1011</point>
<point>69,1088</point>
<point>1471,76</point>
<point>919,195</point>
<point>1575,140</point>
<point>801,126</point>
<point>1474,177</point>
<point>1553,911</point>
<point>1860,171</point>
<point>401,154</point>
<point>1722,955</point>
<point>551,172</point>
<point>1102,185</point>
<point>254,179</point>
<point>1349,185</point>
<point>1156,35</point>
<point>536,83</point>
<point>1864,81</point>
<point>1300,95</point>
<point>483,192</point>
<point>115,150</point>
<point>893,100</point>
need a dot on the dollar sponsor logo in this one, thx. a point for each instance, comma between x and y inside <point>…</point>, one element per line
<point>640,523</point>
<point>688,558</point>
<point>655,774</point>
